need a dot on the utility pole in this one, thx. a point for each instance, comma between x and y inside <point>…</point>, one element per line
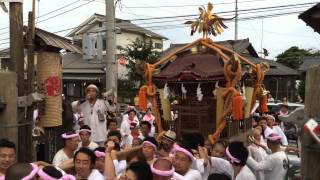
<point>236,22</point>
<point>17,58</point>
<point>111,65</point>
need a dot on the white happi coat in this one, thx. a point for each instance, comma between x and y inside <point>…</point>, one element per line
<point>258,154</point>
<point>222,166</point>
<point>59,157</point>
<point>98,128</point>
<point>125,129</point>
<point>274,166</point>
<point>190,175</point>
<point>95,175</point>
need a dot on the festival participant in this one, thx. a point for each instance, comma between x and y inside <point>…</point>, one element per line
<point>274,165</point>
<point>136,142</point>
<point>115,136</point>
<point>84,162</point>
<point>166,142</point>
<point>149,117</point>
<point>237,154</point>
<point>85,133</point>
<point>77,115</point>
<point>162,169</point>
<point>182,162</point>
<point>7,156</point>
<point>256,150</point>
<point>94,114</point>
<point>52,173</point>
<point>112,125</point>
<point>149,148</point>
<point>70,140</point>
<point>136,170</point>
<point>22,171</point>
<point>129,127</point>
<point>276,129</point>
<point>145,128</point>
<point>219,149</point>
<point>99,152</point>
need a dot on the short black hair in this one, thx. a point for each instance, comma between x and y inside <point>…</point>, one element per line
<point>216,176</point>
<point>86,151</point>
<point>114,133</point>
<point>5,143</point>
<point>239,151</point>
<point>152,140</point>
<point>113,120</point>
<point>141,169</point>
<point>85,127</point>
<point>100,149</point>
<point>52,171</point>
<point>145,123</point>
<point>132,110</point>
<point>193,140</point>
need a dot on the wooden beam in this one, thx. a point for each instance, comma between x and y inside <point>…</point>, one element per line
<point>310,168</point>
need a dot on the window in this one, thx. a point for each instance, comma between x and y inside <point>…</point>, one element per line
<point>158,45</point>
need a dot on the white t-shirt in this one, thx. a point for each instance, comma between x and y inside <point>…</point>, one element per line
<point>92,145</point>
<point>190,175</point>
<point>59,157</point>
<point>98,128</point>
<point>245,174</point>
<point>274,165</point>
<point>95,175</point>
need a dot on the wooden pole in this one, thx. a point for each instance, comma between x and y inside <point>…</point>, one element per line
<point>310,168</point>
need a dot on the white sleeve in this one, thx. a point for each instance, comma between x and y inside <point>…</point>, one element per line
<point>198,165</point>
<point>264,165</point>
<point>120,166</point>
<point>284,139</point>
<point>193,175</point>
<point>57,160</point>
<point>124,129</point>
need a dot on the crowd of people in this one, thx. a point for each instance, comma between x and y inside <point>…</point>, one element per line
<point>97,148</point>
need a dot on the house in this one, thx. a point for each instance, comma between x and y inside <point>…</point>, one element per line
<point>79,70</point>
<point>308,62</point>
<point>280,80</point>
<point>312,17</point>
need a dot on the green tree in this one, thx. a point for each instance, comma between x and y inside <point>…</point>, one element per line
<point>293,58</point>
<point>138,52</point>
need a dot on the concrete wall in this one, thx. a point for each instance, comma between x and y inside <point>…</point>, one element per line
<point>8,117</point>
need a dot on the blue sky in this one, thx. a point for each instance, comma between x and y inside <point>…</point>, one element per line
<point>279,33</point>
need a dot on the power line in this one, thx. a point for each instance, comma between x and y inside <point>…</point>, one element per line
<point>187,5</point>
<point>50,12</point>
<point>246,11</point>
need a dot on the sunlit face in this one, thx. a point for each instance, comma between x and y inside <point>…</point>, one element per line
<point>131,115</point>
<point>115,139</point>
<point>100,164</point>
<point>270,122</point>
<point>72,143</point>
<point>166,144</point>
<point>91,94</point>
<point>218,150</point>
<point>257,133</point>
<point>85,137</point>
<point>7,158</point>
<point>144,129</point>
<point>181,162</point>
<point>82,165</point>
<point>148,151</point>
<point>113,126</point>
<point>263,123</point>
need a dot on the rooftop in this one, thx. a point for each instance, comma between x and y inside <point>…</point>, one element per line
<point>308,63</point>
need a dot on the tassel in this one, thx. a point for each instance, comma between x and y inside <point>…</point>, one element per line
<point>263,107</point>
<point>143,99</point>
<point>237,106</point>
